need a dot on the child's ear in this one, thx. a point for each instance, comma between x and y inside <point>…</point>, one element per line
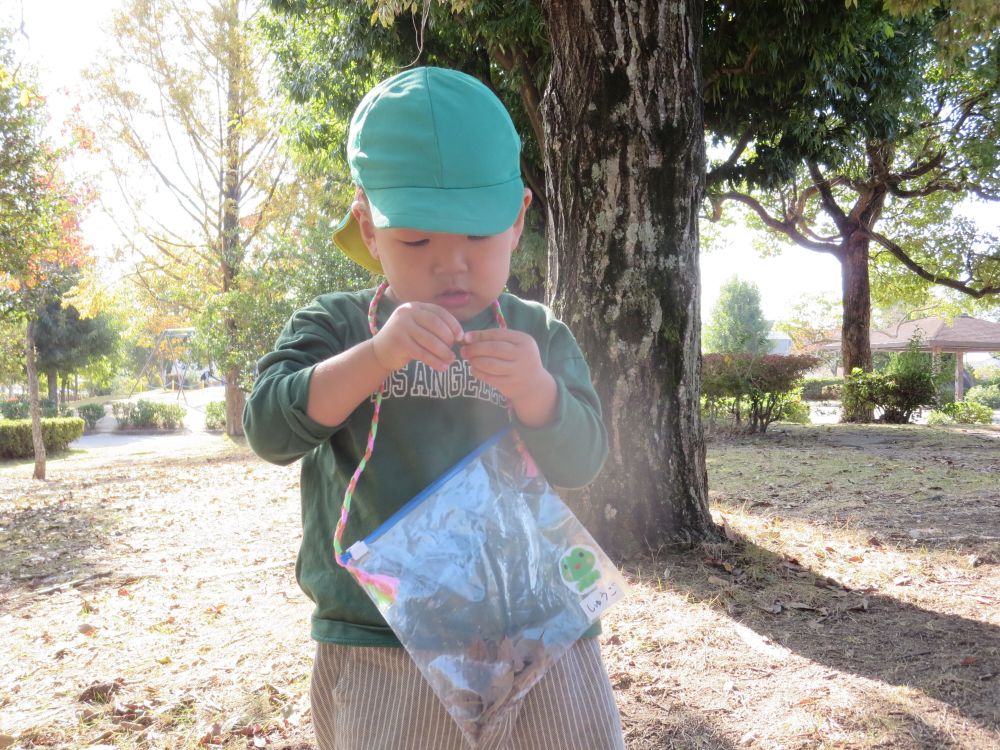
<point>518,226</point>
<point>362,215</point>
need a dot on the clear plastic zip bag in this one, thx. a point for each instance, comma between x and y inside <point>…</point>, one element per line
<point>486,578</point>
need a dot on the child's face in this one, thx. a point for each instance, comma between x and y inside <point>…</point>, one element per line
<point>460,273</point>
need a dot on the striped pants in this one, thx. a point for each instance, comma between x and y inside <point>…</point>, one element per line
<point>370,698</point>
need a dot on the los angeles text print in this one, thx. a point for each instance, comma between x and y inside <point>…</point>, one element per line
<point>420,381</point>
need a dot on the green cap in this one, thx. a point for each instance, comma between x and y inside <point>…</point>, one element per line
<point>435,150</point>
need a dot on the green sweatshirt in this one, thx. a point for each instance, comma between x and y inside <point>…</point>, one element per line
<point>428,422</point>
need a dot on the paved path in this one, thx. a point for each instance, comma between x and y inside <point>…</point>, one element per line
<point>194,401</point>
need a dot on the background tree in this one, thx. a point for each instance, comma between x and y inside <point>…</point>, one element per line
<point>186,103</point>
<point>293,267</point>
<point>882,154</point>
<point>737,322</point>
<point>40,241</point>
<point>66,343</point>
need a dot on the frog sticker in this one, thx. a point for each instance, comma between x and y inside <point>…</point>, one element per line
<point>579,570</point>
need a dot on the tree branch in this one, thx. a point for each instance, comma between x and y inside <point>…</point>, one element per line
<point>786,227</point>
<point>897,252</point>
<point>826,192</point>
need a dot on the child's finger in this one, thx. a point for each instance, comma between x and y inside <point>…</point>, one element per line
<point>455,332</point>
<point>433,349</point>
<point>490,334</point>
<point>498,349</point>
<point>489,366</point>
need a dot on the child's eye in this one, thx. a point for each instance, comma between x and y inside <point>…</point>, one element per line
<point>475,237</point>
<point>415,243</point>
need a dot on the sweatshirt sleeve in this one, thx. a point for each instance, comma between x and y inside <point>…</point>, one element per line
<point>572,449</point>
<point>275,421</point>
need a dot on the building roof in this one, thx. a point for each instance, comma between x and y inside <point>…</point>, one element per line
<point>962,334</point>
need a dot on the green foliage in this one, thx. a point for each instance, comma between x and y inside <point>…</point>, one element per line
<point>904,386</point>
<point>938,418</point>
<point>794,410</point>
<point>987,375</point>
<point>91,414</point>
<point>821,389</point>
<point>737,323</point>
<point>215,415</point>
<point>753,390</point>
<point>299,267</point>
<point>989,395</point>
<point>144,414</point>
<point>20,408</point>
<point>968,412</point>
<point>65,342</point>
<point>57,434</point>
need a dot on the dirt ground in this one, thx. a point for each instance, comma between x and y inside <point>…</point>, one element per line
<point>148,600</point>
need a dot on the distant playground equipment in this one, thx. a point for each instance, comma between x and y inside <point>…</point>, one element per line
<point>170,360</point>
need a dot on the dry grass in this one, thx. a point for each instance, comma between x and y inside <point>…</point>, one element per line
<point>149,601</point>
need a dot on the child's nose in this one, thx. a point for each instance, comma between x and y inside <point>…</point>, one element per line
<point>453,259</point>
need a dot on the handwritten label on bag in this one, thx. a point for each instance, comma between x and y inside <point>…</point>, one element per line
<point>600,599</point>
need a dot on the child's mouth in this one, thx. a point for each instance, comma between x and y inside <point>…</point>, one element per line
<point>454,298</point>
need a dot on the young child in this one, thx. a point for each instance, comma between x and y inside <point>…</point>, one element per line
<point>439,209</point>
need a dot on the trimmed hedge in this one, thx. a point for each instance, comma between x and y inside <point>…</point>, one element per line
<point>821,389</point>
<point>215,415</point>
<point>57,434</point>
<point>148,414</point>
<point>20,408</point>
<point>91,414</point>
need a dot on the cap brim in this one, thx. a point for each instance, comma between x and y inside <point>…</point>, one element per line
<point>481,211</point>
<point>347,237</point>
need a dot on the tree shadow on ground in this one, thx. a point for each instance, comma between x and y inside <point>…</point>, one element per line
<point>950,658</point>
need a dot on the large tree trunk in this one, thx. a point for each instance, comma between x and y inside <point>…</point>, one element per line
<point>232,246</point>
<point>52,382</point>
<point>624,160</point>
<point>855,336</point>
<point>36,410</point>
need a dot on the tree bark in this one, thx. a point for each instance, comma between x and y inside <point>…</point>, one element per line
<point>36,410</point>
<point>52,381</point>
<point>624,160</point>
<point>855,336</point>
<point>232,246</point>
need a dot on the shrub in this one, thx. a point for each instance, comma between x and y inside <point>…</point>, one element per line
<point>821,389</point>
<point>905,385</point>
<point>988,395</point>
<point>91,414</point>
<point>215,415</point>
<point>148,414</point>
<point>20,408</point>
<point>898,395</point>
<point>987,375</point>
<point>938,418</point>
<point>57,434</point>
<point>751,389</point>
<point>832,392</point>
<point>968,412</point>
<point>795,410</point>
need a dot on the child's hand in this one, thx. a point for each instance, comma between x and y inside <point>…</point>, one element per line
<point>509,361</point>
<point>417,330</point>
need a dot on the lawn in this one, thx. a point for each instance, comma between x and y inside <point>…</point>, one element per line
<point>149,600</point>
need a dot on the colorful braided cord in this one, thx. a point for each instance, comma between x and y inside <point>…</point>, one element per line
<point>345,508</point>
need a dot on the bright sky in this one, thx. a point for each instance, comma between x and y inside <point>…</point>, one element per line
<point>61,37</point>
